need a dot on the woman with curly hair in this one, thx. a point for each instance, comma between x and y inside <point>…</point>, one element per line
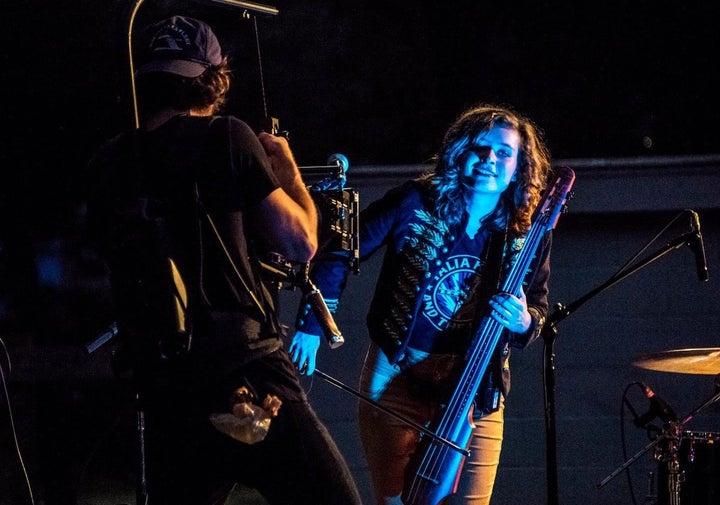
<point>449,237</point>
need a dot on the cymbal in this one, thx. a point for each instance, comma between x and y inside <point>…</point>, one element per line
<point>702,361</point>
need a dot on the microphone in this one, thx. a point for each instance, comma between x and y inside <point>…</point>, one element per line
<point>658,408</point>
<point>698,248</point>
<point>322,313</point>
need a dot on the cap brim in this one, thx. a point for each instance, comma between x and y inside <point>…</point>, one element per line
<point>184,68</point>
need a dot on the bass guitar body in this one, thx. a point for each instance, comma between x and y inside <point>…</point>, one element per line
<point>436,478</point>
<point>434,470</point>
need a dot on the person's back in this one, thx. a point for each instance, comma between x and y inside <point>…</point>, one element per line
<point>175,192</point>
<point>206,194</point>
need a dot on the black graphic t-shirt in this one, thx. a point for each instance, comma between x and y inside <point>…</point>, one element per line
<point>448,303</point>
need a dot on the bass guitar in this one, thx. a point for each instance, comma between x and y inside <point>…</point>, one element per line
<point>433,473</point>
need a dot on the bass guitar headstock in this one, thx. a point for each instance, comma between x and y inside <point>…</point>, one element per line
<point>555,197</point>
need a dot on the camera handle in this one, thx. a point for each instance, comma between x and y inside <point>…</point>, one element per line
<point>284,272</point>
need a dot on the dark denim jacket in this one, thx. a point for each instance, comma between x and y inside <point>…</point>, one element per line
<point>400,222</point>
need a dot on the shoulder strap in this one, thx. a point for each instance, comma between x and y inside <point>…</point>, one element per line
<point>243,282</point>
<point>266,305</point>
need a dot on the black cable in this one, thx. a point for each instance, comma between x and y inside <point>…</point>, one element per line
<point>625,403</point>
<point>12,421</point>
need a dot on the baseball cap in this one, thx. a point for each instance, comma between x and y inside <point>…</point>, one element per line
<point>179,45</point>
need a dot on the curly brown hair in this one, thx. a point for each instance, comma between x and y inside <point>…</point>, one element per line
<point>519,201</point>
<point>160,90</point>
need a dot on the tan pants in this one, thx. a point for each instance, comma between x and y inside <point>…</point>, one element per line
<point>389,442</point>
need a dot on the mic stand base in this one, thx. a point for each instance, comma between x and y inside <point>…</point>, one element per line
<point>549,334</point>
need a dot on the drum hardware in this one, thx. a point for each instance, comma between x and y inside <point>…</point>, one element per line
<point>668,453</point>
<point>549,332</point>
<point>667,445</point>
<point>699,466</point>
<point>651,492</point>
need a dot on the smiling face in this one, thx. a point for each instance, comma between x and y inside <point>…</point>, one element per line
<point>489,163</point>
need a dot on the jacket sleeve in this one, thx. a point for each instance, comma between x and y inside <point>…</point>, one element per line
<point>536,292</point>
<point>378,228</point>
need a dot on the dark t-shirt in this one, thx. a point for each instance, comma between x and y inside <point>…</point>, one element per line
<point>151,181</point>
<point>448,302</point>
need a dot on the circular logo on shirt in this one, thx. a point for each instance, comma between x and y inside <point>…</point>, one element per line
<point>448,292</point>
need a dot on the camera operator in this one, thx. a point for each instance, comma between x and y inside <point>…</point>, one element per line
<point>205,190</point>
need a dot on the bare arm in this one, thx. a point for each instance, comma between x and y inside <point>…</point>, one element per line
<point>288,217</point>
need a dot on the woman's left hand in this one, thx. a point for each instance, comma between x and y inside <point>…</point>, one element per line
<point>511,311</point>
<point>303,351</point>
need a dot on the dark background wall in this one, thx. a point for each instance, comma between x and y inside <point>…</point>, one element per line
<point>625,91</point>
<point>377,81</point>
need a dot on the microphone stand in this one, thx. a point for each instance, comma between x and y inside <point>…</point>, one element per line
<point>331,380</point>
<point>549,335</point>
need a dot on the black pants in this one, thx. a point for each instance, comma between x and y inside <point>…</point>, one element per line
<point>191,463</point>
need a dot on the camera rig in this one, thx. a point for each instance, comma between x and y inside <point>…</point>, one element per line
<point>338,207</point>
<point>338,213</point>
<point>338,210</point>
